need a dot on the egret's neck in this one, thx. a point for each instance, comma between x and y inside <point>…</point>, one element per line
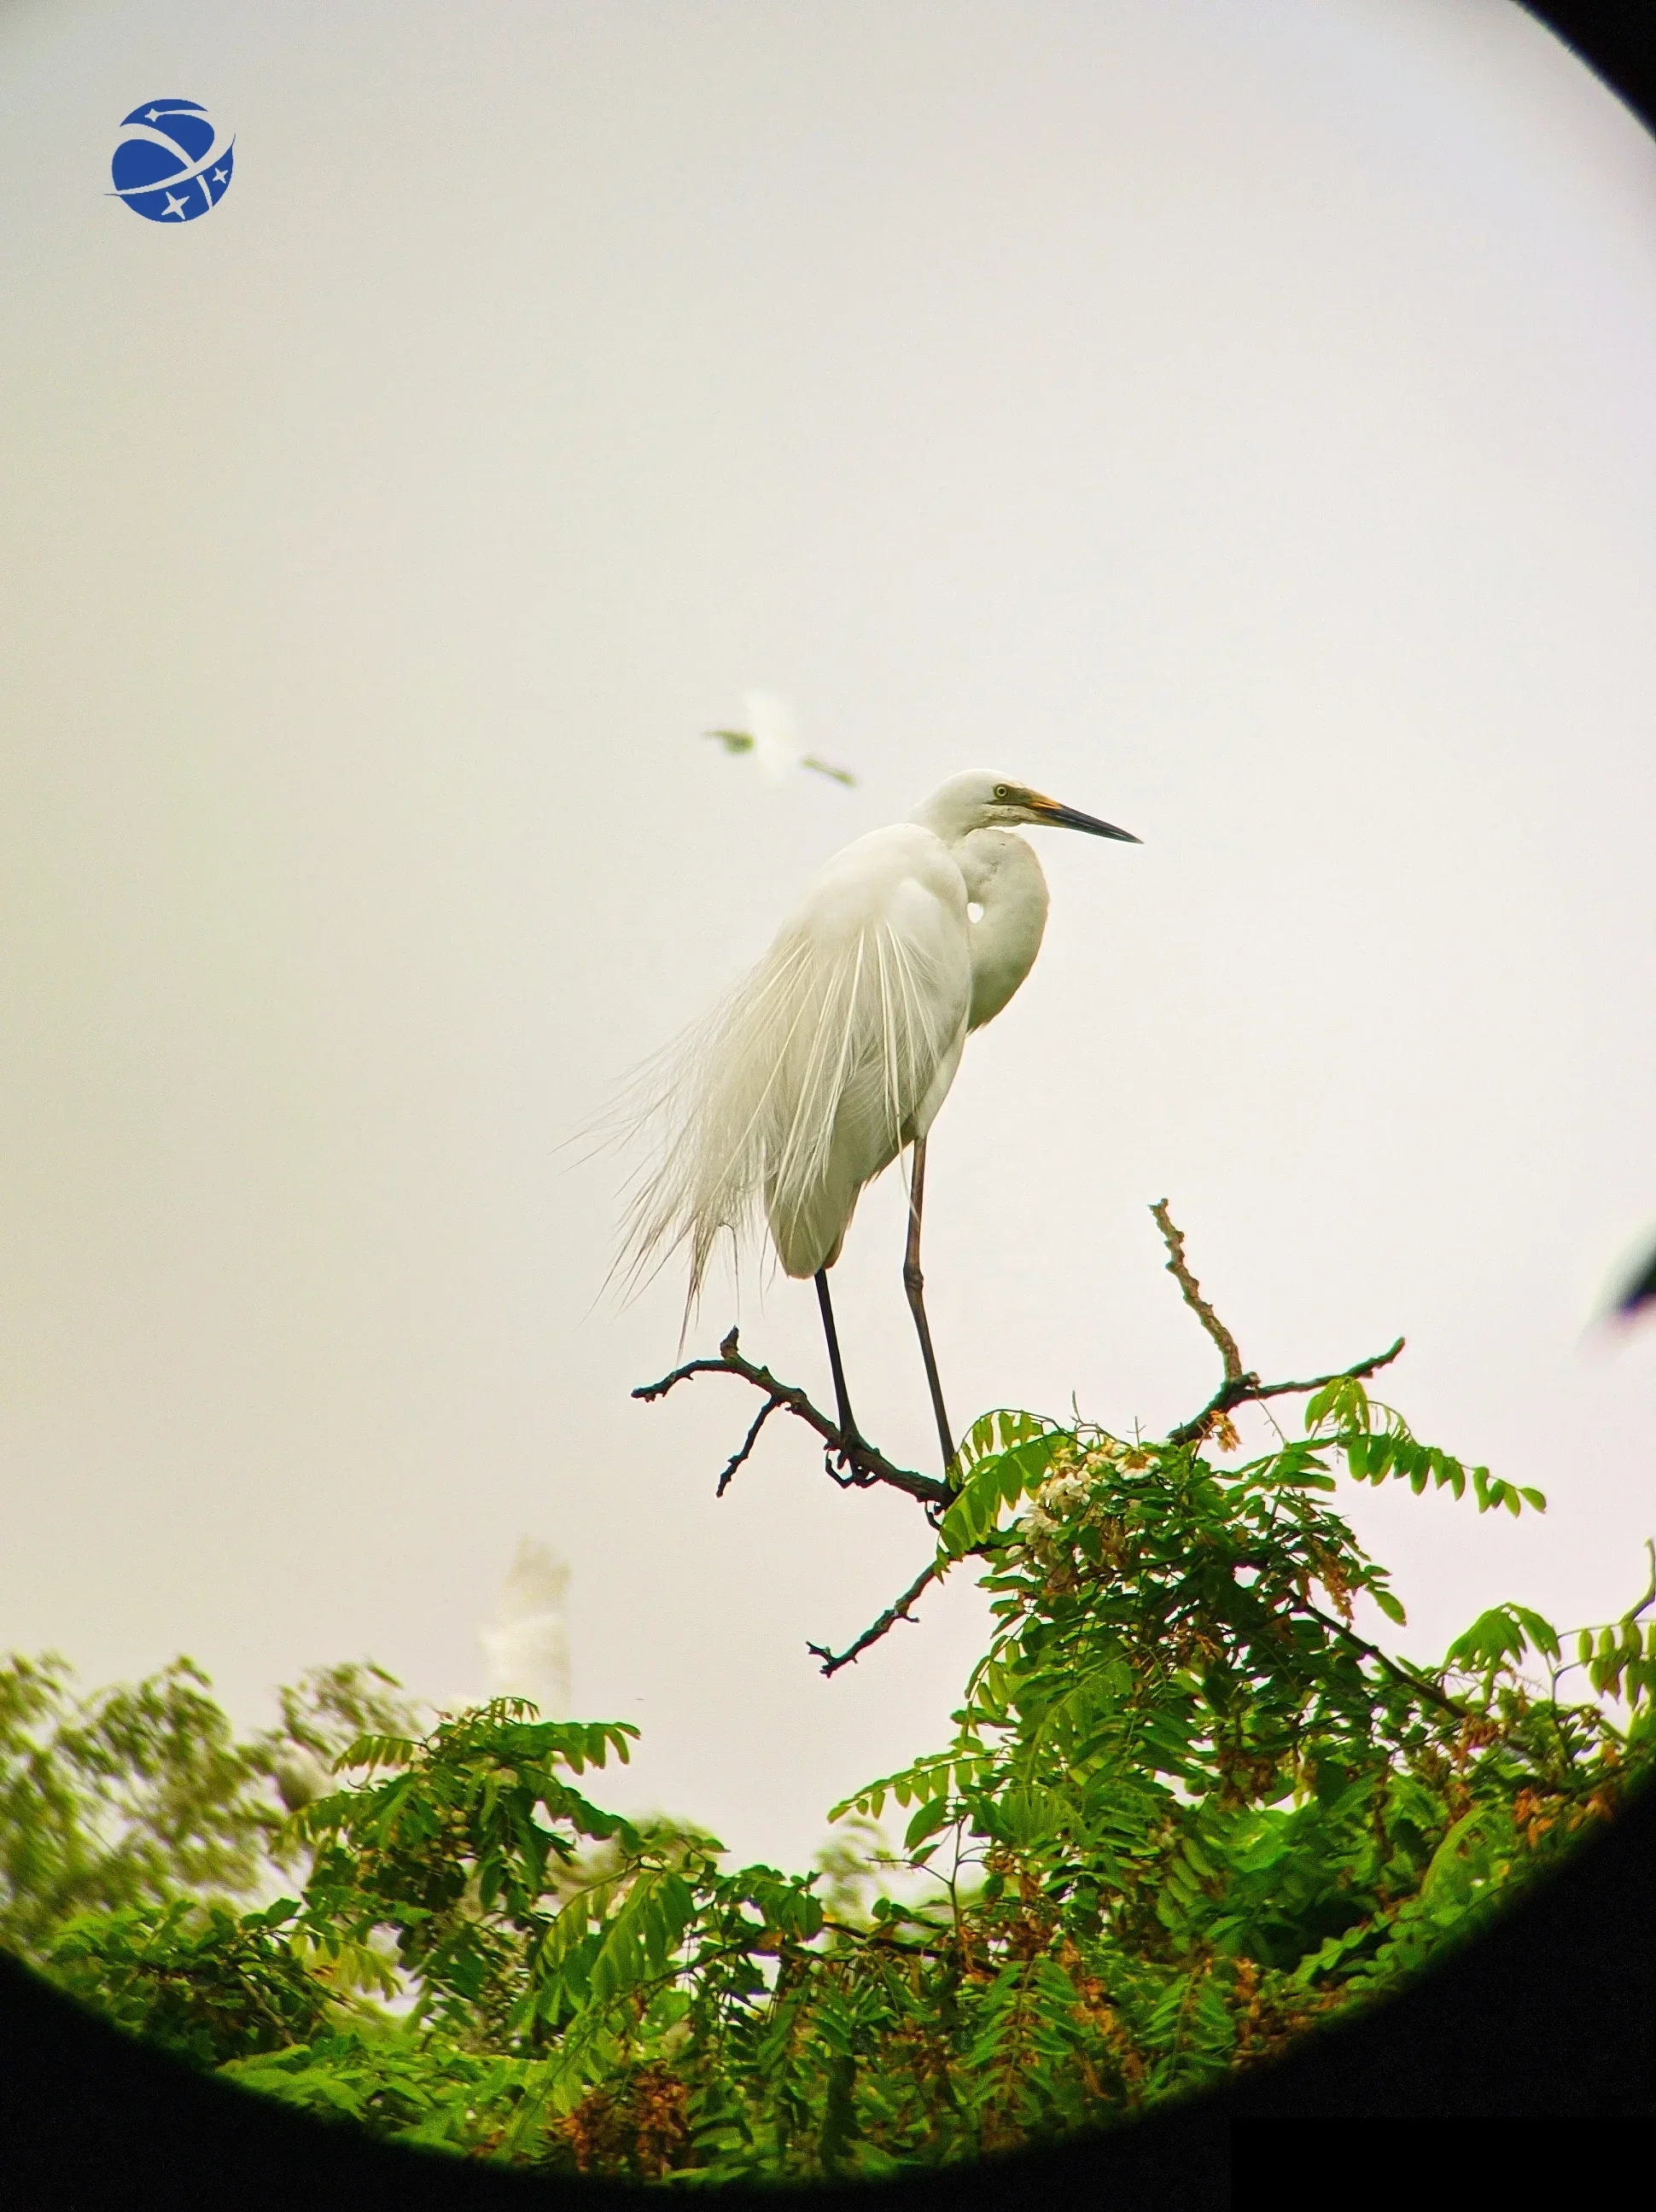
<point>1003,878</point>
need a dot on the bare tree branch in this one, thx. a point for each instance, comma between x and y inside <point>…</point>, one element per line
<point>832,1664</point>
<point>1241,1386</point>
<point>1178,1269</point>
<point>864,1464</point>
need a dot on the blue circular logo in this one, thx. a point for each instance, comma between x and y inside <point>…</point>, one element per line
<point>171,164</point>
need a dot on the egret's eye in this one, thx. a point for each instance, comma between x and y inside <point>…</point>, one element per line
<point>1000,791</point>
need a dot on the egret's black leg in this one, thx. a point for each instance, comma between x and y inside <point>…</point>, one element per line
<point>914,1284</point>
<point>848,1427</point>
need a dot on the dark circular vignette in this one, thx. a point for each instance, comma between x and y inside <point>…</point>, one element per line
<point>1549,2015</point>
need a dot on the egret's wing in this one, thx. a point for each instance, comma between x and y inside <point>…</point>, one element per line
<point>803,1083</point>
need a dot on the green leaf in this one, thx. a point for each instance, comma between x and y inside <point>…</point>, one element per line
<point>1541,1632</point>
<point>993,1485</point>
<point>1266,1848</point>
<point>932,1816</point>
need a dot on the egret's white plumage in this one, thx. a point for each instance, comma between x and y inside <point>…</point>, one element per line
<point>839,1047</point>
<point>525,1640</point>
<point>778,752</point>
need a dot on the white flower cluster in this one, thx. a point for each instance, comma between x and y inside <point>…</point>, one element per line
<point>1061,1500</point>
<point>1065,1498</point>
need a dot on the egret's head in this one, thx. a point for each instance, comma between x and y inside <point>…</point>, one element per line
<point>980,801</point>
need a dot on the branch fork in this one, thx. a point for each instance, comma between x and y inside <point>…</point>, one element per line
<point>864,1466</point>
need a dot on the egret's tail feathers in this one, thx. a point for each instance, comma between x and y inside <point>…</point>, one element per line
<point>795,1090</point>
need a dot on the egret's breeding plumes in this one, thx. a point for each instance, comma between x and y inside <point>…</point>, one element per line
<point>837,1050</point>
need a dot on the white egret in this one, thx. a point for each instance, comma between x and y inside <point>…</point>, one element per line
<point>836,1051</point>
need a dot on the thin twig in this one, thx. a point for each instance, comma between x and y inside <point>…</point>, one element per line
<point>832,1663</point>
<point>1649,1597</point>
<point>1178,1269</point>
<point>885,1940</point>
<point>751,1439</point>
<point>865,1464</point>
<point>1570,1635</point>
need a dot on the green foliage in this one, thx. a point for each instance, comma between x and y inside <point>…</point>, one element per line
<point>988,1481</point>
<point>1189,1808</point>
<point>204,1982</point>
<point>139,1794</point>
<point>1372,1454</point>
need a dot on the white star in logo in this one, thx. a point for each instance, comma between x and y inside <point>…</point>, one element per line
<point>175,206</point>
<point>152,115</point>
<point>218,176</point>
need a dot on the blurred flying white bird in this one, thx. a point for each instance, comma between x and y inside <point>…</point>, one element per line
<point>525,1645</point>
<point>771,738</point>
<point>839,1049</point>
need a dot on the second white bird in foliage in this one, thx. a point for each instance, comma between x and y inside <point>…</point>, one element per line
<point>526,1644</point>
<point>837,1050</point>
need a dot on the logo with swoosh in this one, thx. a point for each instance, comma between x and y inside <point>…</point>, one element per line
<point>172,165</point>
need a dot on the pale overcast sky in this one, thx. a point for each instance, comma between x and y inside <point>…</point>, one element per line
<point>1233,419</point>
